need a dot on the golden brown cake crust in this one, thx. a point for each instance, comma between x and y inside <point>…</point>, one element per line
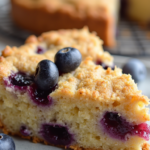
<point>46,17</point>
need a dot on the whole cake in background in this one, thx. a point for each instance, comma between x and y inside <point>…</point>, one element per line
<point>44,15</point>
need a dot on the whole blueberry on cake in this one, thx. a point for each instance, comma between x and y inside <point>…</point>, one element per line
<point>87,107</point>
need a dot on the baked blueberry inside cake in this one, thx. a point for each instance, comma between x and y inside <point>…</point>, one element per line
<point>117,127</point>
<point>56,134</point>
<point>18,80</point>
<point>88,107</point>
<point>40,50</point>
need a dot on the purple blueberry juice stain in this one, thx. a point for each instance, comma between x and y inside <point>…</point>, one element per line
<point>40,50</point>
<point>24,82</point>
<point>56,134</point>
<point>117,127</point>
<point>99,62</point>
<point>40,97</point>
<point>24,131</point>
<point>19,81</point>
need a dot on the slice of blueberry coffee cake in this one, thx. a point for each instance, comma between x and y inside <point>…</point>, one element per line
<point>84,107</point>
<point>50,42</point>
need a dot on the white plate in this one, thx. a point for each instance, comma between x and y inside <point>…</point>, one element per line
<point>22,144</point>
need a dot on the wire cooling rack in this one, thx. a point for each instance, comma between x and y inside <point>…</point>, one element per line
<point>7,27</point>
<point>131,39</point>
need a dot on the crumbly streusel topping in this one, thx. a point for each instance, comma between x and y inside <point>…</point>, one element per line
<point>87,43</point>
<point>103,84</point>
